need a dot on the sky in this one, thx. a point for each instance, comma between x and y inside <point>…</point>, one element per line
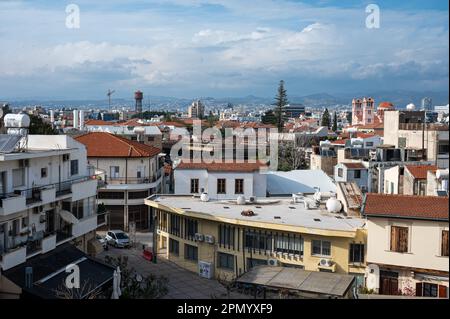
<point>220,48</point>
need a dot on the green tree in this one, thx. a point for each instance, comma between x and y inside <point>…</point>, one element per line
<point>349,118</point>
<point>334,128</point>
<point>269,118</point>
<point>326,119</point>
<point>39,127</point>
<point>280,102</point>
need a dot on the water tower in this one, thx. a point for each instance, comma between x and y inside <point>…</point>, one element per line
<point>138,96</point>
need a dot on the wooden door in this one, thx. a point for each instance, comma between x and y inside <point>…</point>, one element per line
<point>388,286</point>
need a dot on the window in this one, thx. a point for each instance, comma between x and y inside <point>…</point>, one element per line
<point>239,186</point>
<point>369,120</point>
<point>24,222</point>
<point>430,290</point>
<point>190,252</point>
<point>340,172</point>
<point>151,138</point>
<point>369,144</point>
<point>73,167</point>
<point>18,177</point>
<point>443,148</point>
<point>225,261</point>
<point>357,174</point>
<point>226,236</point>
<point>110,195</point>
<point>356,253</point>
<point>190,228</point>
<point>369,112</point>
<point>289,244</point>
<point>444,244</point>
<point>321,248</point>
<point>133,138</point>
<point>175,226</point>
<point>44,172</point>
<point>194,185</point>
<point>174,246</point>
<point>221,186</point>
<point>137,195</point>
<point>114,171</point>
<point>257,240</point>
<point>399,239</point>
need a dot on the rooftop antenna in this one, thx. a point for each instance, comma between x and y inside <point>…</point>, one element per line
<point>109,93</point>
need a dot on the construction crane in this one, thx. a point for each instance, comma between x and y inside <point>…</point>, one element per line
<point>110,92</point>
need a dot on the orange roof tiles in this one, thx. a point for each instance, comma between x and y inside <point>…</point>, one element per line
<point>223,167</point>
<point>386,105</point>
<point>420,171</point>
<point>97,122</point>
<point>101,144</point>
<point>406,206</point>
<point>354,165</point>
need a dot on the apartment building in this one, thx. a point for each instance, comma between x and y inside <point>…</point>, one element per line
<point>220,180</point>
<point>47,197</point>
<point>128,172</point>
<point>407,245</point>
<point>352,172</point>
<point>226,238</point>
<point>408,130</point>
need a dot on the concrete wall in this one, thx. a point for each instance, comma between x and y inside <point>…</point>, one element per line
<point>326,164</point>
<point>391,180</point>
<point>254,183</point>
<point>127,166</point>
<point>424,244</point>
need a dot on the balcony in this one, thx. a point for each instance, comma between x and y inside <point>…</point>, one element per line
<point>13,257</point>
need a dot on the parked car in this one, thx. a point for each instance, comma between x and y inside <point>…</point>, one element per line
<point>102,241</point>
<point>117,238</point>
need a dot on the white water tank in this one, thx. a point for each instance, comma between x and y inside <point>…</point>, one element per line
<point>20,120</point>
<point>410,107</point>
<point>333,205</point>
<point>240,200</point>
<point>204,197</point>
<point>75,119</point>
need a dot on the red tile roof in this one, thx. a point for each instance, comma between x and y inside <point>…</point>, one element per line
<point>386,105</point>
<point>406,206</point>
<point>339,142</point>
<point>97,122</point>
<point>420,171</point>
<point>354,165</point>
<point>223,167</point>
<point>101,144</point>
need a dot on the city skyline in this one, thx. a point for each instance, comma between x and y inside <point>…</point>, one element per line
<point>220,48</point>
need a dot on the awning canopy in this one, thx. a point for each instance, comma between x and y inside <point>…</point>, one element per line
<point>68,217</point>
<point>314,282</point>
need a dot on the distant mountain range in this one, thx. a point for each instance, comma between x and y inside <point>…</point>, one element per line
<point>398,98</point>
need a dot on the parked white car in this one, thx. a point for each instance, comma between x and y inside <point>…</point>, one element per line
<point>117,238</point>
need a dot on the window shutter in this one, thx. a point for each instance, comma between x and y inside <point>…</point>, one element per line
<point>394,237</point>
<point>419,289</point>
<point>443,290</point>
<point>403,239</point>
<point>444,251</point>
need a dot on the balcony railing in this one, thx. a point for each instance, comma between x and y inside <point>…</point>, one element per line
<point>130,180</point>
<point>420,126</point>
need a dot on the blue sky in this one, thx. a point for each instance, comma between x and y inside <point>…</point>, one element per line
<point>190,48</point>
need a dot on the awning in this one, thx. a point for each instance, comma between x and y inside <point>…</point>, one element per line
<point>68,217</point>
<point>313,282</point>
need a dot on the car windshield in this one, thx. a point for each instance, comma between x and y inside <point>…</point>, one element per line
<point>121,236</point>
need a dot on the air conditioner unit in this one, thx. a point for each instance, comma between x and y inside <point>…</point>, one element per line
<point>252,199</point>
<point>66,157</point>
<point>209,239</point>
<point>199,237</point>
<point>23,163</point>
<point>272,262</point>
<point>325,262</point>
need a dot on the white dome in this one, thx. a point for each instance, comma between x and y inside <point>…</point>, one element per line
<point>204,197</point>
<point>333,205</point>
<point>240,200</point>
<point>410,107</point>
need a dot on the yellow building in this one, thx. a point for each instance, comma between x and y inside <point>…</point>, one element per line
<point>216,236</point>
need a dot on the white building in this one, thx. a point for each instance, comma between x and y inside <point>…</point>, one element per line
<point>220,180</point>
<point>407,245</point>
<point>47,197</point>
<point>129,171</point>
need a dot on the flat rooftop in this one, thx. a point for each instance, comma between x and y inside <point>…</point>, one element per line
<point>272,210</point>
